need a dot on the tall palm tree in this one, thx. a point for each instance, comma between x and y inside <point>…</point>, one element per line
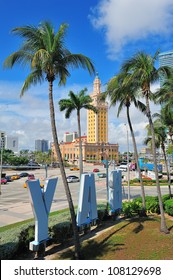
<point>164,95</point>
<point>44,51</point>
<point>166,118</point>
<point>123,92</point>
<point>160,139</point>
<point>77,102</point>
<point>143,71</point>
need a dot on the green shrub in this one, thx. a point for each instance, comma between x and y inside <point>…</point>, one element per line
<point>131,208</point>
<point>165,197</point>
<point>169,207</point>
<point>15,240</point>
<point>61,232</point>
<point>152,203</point>
<point>127,209</point>
<point>12,241</point>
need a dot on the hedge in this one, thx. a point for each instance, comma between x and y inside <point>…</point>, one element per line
<point>169,207</point>
<point>15,240</point>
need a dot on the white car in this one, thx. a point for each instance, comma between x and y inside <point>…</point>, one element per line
<point>123,167</point>
<point>72,178</point>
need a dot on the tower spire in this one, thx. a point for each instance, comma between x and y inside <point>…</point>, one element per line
<point>97,84</point>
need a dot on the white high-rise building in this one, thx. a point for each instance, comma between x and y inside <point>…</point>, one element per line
<point>165,59</point>
<point>41,145</point>
<point>2,139</point>
<point>70,137</point>
<point>11,143</point>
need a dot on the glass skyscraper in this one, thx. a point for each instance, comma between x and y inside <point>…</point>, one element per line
<point>41,145</point>
<point>165,59</point>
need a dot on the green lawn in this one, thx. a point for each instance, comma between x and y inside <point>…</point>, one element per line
<point>131,239</point>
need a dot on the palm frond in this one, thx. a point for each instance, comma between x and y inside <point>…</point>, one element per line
<point>32,79</point>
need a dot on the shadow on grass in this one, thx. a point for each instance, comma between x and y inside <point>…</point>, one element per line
<point>96,248</point>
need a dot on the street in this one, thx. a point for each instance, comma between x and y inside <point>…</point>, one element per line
<point>15,204</point>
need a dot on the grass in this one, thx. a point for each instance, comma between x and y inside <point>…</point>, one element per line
<point>131,239</point>
<point>15,225</point>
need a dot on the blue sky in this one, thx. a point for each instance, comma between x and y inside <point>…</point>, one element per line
<point>107,31</point>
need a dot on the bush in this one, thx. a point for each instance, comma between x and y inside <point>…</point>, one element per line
<point>152,203</point>
<point>15,240</point>
<point>131,208</point>
<point>165,197</point>
<point>169,207</point>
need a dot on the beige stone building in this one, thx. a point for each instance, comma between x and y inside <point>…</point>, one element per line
<point>95,146</point>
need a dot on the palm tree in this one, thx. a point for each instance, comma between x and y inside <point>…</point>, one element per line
<point>164,95</point>
<point>122,92</point>
<point>166,118</point>
<point>160,139</point>
<point>77,102</point>
<point>45,53</point>
<point>143,71</point>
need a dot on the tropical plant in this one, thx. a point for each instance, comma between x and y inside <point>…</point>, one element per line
<point>160,139</point>
<point>144,73</point>
<point>164,95</point>
<point>165,117</point>
<point>77,102</point>
<point>44,51</point>
<point>42,157</point>
<point>121,90</point>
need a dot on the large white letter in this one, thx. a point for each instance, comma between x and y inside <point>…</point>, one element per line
<point>41,200</point>
<point>87,207</point>
<point>115,190</point>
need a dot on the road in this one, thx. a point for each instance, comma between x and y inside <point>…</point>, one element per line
<point>15,204</point>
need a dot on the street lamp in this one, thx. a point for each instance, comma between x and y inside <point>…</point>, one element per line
<point>1,164</point>
<point>128,170</point>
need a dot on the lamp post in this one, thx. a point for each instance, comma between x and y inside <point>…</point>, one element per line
<point>1,164</point>
<point>128,170</point>
<point>104,159</point>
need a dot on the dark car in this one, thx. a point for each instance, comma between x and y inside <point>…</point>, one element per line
<point>8,178</point>
<point>72,178</point>
<point>101,175</point>
<point>24,174</point>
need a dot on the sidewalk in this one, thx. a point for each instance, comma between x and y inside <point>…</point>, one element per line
<point>18,212</point>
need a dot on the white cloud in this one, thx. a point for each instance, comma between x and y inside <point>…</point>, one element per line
<point>127,21</point>
<point>117,128</point>
<point>28,117</point>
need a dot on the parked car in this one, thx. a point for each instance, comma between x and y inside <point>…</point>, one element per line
<point>74,168</point>
<point>101,175</point>
<point>23,174</point>
<point>8,178</point>
<point>72,178</point>
<point>3,181</point>
<point>96,170</point>
<point>123,167</point>
<point>30,177</point>
<point>15,177</point>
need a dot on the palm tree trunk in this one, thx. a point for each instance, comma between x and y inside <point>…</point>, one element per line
<point>163,227</point>
<point>167,170</point>
<point>80,145</point>
<point>137,163</point>
<point>63,174</point>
